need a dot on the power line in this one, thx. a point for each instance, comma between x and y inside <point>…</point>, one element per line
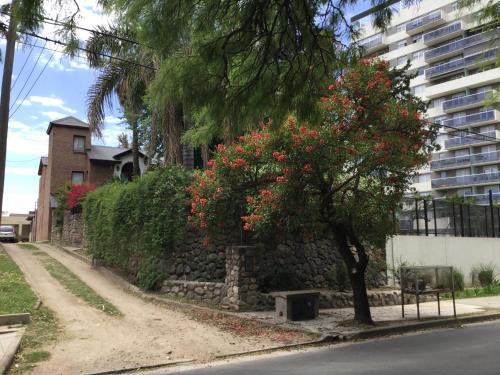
<point>27,79</point>
<point>22,68</point>
<point>34,83</point>
<point>483,136</point>
<point>22,161</point>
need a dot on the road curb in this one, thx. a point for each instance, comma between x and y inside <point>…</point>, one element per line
<point>412,327</point>
<point>10,319</point>
<point>7,360</point>
<point>139,368</point>
<point>73,254</point>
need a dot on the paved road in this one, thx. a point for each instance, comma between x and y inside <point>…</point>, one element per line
<point>474,349</point>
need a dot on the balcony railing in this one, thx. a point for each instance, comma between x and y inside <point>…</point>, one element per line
<point>455,46</point>
<point>452,66</point>
<point>427,20</point>
<point>471,139</point>
<point>473,159</point>
<point>436,35</point>
<point>483,198</point>
<point>466,101</point>
<point>483,178</point>
<point>372,44</point>
<point>474,118</point>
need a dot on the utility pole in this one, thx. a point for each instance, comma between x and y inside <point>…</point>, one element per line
<point>5,98</point>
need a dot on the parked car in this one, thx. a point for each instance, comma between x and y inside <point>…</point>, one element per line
<point>8,233</point>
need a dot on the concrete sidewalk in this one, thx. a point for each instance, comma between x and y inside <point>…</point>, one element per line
<point>339,321</point>
<point>10,339</point>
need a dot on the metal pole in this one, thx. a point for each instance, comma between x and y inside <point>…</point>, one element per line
<point>435,220</point>
<point>416,215</point>
<point>454,220</point>
<point>486,220</point>
<point>462,220</point>
<point>492,215</point>
<point>5,98</point>
<point>425,218</point>
<point>468,215</point>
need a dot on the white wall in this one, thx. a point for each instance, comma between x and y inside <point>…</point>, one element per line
<point>462,253</point>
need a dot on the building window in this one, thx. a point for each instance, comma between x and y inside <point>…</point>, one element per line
<point>77,178</point>
<point>417,56</point>
<point>416,38</point>
<point>402,60</point>
<point>400,28</point>
<point>401,44</point>
<point>78,143</point>
<point>418,90</point>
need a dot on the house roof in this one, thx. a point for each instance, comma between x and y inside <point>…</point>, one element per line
<point>15,220</point>
<point>68,121</point>
<point>44,160</point>
<point>107,153</point>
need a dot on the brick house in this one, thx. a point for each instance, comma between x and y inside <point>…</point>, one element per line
<point>73,158</point>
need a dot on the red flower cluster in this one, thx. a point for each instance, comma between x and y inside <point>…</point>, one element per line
<point>77,194</point>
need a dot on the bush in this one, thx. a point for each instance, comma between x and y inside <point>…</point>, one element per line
<point>484,275</point>
<point>133,226</point>
<point>458,280</point>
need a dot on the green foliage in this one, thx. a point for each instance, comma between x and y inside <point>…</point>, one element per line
<point>132,226</point>
<point>458,280</point>
<point>61,197</point>
<point>484,275</point>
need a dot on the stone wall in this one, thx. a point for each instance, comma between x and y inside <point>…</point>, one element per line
<point>71,232</point>
<point>211,293</point>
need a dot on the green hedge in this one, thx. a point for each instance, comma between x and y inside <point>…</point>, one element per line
<point>134,225</point>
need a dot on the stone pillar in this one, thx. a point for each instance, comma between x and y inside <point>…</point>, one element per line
<point>241,268</point>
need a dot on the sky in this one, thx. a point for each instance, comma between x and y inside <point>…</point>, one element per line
<point>60,91</point>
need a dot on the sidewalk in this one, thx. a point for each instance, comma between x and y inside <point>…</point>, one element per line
<point>10,338</point>
<point>339,321</point>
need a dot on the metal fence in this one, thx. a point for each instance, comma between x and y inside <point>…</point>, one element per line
<point>439,217</point>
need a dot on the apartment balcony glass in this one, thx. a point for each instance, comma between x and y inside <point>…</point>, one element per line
<point>455,47</point>
<point>372,43</point>
<point>424,22</point>
<point>452,66</point>
<point>473,119</point>
<point>472,139</point>
<point>483,198</point>
<point>474,159</point>
<point>483,178</point>
<point>443,33</point>
<point>465,102</point>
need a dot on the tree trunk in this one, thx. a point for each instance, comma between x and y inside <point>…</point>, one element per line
<point>136,171</point>
<point>204,155</point>
<point>356,267</point>
<point>173,126</point>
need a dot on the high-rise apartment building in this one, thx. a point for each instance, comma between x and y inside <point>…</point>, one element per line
<point>454,58</point>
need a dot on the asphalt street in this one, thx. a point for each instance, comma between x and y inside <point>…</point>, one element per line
<point>473,349</point>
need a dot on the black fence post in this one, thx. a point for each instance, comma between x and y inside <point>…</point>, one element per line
<point>454,219</point>
<point>434,213</point>
<point>470,226</point>
<point>498,216</point>
<point>416,215</point>
<point>462,220</point>
<point>486,220</point>
<point>425,218</point>
<point>492,215</point>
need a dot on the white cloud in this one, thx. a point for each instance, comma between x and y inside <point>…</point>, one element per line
<point>53,115</point>
<point>27,142</point>
<point>113,120</point>
<point>19,202</point>
<point>14,124</point>
<point>79,65</point>
<point>23,102</point>
<point>51,101</point>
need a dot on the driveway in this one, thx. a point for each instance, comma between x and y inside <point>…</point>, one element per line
<point>92,341</point>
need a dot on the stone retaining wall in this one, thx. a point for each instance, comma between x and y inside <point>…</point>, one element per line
<point>211,293</point>
<point>71,232</point>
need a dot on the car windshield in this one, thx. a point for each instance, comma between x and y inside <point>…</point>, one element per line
<point>6,229</point>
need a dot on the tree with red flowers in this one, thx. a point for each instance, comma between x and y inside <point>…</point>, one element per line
<point>76,194</point>
<point>342,175</point>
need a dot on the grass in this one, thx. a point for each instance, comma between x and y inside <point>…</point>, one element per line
<point>16,296</point>
<point>487,291</point>
<point>76,286</point>
<point>27,246</point>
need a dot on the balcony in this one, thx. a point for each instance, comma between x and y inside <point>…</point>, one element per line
<point>470,61</point>
<point>472,140</point>
<point>466,102</point>
<point>424,23</point>
<point>455,48</point>
<point>458,161</point>
<point>373,44</point>
<point>444,33</point>
<point>474,179</point>
<point>483,198</point>
<point>480,118</point>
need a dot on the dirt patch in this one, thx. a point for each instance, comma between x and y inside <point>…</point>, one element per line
<point>147,334</point>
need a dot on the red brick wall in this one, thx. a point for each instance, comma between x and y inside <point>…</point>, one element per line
<point>62,159</point>
<point>100,173</point>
